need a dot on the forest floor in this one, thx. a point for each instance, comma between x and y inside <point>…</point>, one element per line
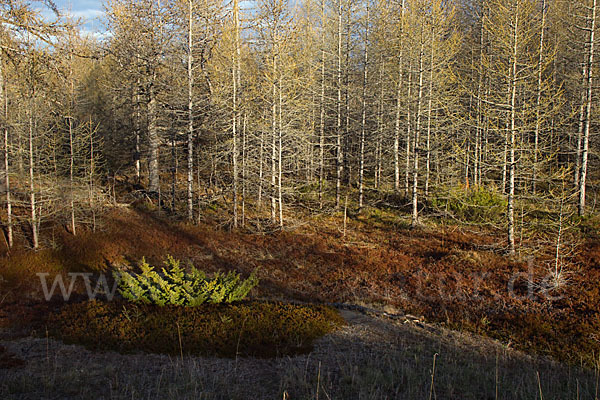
<point>493,321</point>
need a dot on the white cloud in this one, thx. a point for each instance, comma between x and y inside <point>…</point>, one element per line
<point>95,34</point>
<point>87,14</point>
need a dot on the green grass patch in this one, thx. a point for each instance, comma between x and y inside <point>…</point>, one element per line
<point>225,330</point>
<point>479,204</point>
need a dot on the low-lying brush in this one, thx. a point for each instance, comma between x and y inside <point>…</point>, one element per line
<point>481,204</point>
<point>226,330</point>
<point>176,286</point>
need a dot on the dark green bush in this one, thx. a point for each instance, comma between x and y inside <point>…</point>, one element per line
<point>227,330</point>
<point>480,204</point>
<point>175,286</point>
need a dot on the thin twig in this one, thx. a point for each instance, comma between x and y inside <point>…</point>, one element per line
<point>432,376</point>
<point>540,385</point>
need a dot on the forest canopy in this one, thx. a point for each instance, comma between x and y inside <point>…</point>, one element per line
<point>270,104</point>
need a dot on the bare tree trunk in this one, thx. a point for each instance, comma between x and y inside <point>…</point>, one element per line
<point>235,76</point>
<point>582,109</point>
<point>190,138</point>
<point>399,104</point>
<point>153,141</point>
<point>380,127</point>
<point>234,152</point>
<point>198,183</point>
<point>479,131</point>
<point>4,103</point>
<point>71,150</point>
<point>322,105</point>
<point>174,168</point>
<point>415,173</point>
<point>137,123</point>
<point>408,132</point>
<point>71,172</point>
<point>538,99</point>
<point>32,201</point>
<point>274,142</point>
<point>513,134</point>
<point>92,174</point>
<point>505,158</point>
<point>347,168</point>
<point>429,112</point>
<point>280,151</point>
<point>261,168</point>
<point>340,155</point>
<point>244,121</point>
<point>364,113</point>
<point>310,167</point>
<point>588,112</point>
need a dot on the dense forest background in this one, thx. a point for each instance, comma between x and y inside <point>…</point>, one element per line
<point>260,108</point>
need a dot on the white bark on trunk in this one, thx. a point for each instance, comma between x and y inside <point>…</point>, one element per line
<point>513,132</point>
<point>380,127</point>
<point>32,200</point>
<point>4,104</point>
<point>429,116</point>
<point>364,114</point>
<point>235,79</point>
<point>244,122</point>
<point>408,131</point>
<point>274,142</point>
<point>71,144</point>
<point>92,174</point>
<point>538,102</point>
<point>581,124</point>
<point>588,111</point>
<point>340,155</point>
<point>190,138</point>
<point>399,103</point>
<point>322,106</point>
<point>415,172</point>
<point>153,141</point>
<point>261,168</point>
<point>280,152</point>
<point>71,176</point>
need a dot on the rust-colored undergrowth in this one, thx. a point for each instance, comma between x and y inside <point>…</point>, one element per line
<point>446,274</point>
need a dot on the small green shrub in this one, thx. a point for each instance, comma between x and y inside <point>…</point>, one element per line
<point>175,286</point>
<point>226,330</point>
<point>480,204</point>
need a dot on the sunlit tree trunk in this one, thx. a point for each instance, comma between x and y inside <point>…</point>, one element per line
<point>32,200</point>
<point>71,138</point>
<point>322,107</point>
<point>244,122</point>
<point>513,133</point>
<point>539,99</point>
<point>280,152</point>
<point>235,79</point>
<point>190,133</point>
<point>364,113</point>
<point>274,101</point>
<point>588,112</point>
<point>429,116</point>
<point>408,131</point>
<point>153,140</point>
<point>400,86</point>
<point>4,105</point>
<point>417,145</point>
<point>582,108</point>
<point>339,149</point>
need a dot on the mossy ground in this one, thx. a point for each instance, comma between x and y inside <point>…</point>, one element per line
<point>256,329</point>
<point>451,274</point>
